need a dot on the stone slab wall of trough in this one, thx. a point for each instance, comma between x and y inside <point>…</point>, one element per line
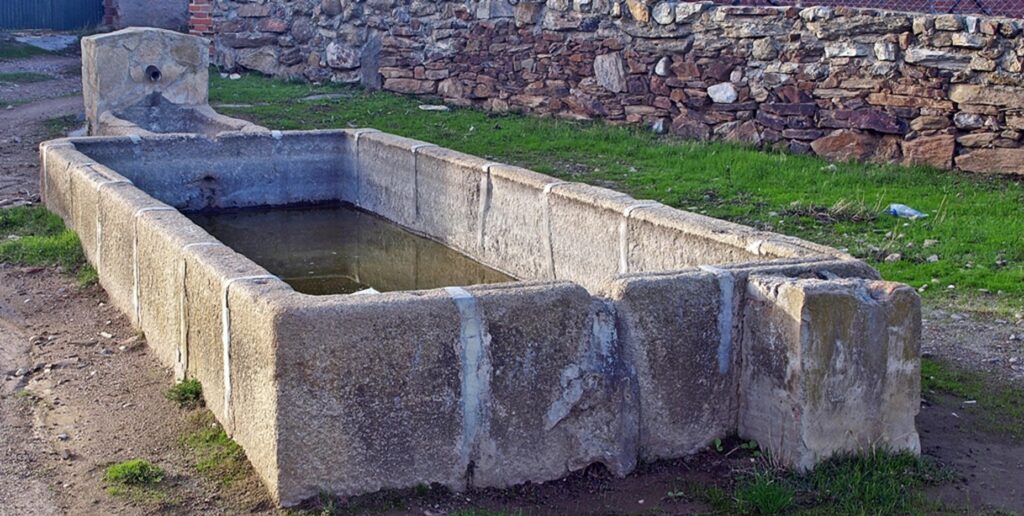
<point>599,355</point>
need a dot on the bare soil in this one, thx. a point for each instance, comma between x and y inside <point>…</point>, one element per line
<point>80,390</point>
<point>23,109</point>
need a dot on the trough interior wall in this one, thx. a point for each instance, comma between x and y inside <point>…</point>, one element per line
<point>525,224</point>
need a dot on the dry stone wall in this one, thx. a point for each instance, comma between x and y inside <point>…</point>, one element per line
<point>846,84</point>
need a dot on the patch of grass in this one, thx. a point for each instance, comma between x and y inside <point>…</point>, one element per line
<point>87,276</point>
<point>188,394</point>
<point>134,472</point>
<point>31,235</point>
<point>26,397</point>
<point>973,227</point>
<point>15,50</point>
<point>718,499</point>
<point>873,483</point>
<point>58,127</point>
<point>216,455</point>
<point>136,479</point>
<point>999,407</point>
<point>24,77</point>
<point>764,493</point>
<point>29,220</point>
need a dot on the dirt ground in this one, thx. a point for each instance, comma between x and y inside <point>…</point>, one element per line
<point>80,391</point>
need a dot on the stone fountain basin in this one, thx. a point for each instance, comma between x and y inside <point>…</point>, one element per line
<point>636,332</point>
<point>156,115</point>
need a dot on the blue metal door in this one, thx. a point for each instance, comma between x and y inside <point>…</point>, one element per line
<point>50,14</point>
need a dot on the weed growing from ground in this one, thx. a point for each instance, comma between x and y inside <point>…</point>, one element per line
<point>873,483</point>
<point>764,493</point>
<point>135,472</point>
<point>188,394</point>
<point>87,276</point>
<point>216,455</point>
<point>136,479</point>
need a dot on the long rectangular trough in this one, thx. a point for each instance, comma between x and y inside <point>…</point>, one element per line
<point>635,332</point>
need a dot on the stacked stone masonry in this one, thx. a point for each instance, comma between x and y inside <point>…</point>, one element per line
<point>846,84</point>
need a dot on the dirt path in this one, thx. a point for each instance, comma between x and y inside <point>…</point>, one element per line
<point>22,124</point>
<point>92,395</point>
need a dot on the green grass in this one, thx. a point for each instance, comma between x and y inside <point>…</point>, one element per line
<point>24,77</point>
<point>998,407</point>
<point>135,472</point>
<point>87,276</point>
<point>874,483</point>
<point>58,127</point>
<point>216,455</point>
<point>15,50</point>
<point>188,394</point>
<point>973,220</point>
<point>33,236</point>
<point>764,493</point>
<point>136,479</point>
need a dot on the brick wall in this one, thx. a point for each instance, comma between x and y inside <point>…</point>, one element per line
<point>109,12</point>
<point>200,21</point>
<point>943,90</point>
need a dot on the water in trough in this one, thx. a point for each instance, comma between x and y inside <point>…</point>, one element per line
<point>339,249</point>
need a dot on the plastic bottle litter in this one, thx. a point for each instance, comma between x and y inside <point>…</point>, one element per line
<point>905,212</point>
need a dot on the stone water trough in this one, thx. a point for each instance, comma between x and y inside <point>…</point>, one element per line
<point>633,332</point>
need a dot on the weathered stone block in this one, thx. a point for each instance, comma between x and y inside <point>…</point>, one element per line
<point>1010,97</point>
<point>610,73</point>
<point>846,145</point>
<point>658,324</point>
<point>997,161</point>
<point>936,151</point>
<point>829,367</point>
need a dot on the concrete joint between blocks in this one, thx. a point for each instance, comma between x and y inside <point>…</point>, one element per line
<point>624,232</point>
<point>755,247</point>
<point>726,285</point>
<point>356,136</point>
<point>226,344</point>
<point>549,247</point>
<point>416,177</point>
<point>484,194</point>
<point>474,342</point>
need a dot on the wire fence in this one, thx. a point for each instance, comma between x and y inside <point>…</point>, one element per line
<point>1008,8</point>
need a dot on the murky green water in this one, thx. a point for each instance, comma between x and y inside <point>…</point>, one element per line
<point>341,250</point>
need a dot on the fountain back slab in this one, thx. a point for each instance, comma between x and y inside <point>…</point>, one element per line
<point>144,81</point>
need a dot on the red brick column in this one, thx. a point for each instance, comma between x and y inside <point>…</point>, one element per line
<point>109,12</point>
<point>200,18</point>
